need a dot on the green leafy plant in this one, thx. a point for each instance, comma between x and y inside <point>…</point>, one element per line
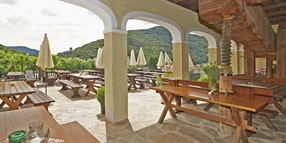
<point>101,98</point>
<point>159,80</point>
<point>203,78</point>
<point>212,71</point>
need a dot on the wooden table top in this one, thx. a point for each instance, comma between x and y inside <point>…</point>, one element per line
<point>15,74</point>
<point>62,72</point>
<point>131,75</point>
<point>15,88</point>
<point>20,119</point>
<point>92,71</point>
<point>86,77</point>
<point>253,104</point>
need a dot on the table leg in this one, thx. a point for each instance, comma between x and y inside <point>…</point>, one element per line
<point>90,86</point>
<point>167,107</point>
<point>207,108</point>
<point>15,105</point>
<point>64,87</point>
<point>133,83</point>
<point>2,104</point>
<point>76,80</point>
<point>279,107</point>
<point>240,132</point>
<point>75,93</point>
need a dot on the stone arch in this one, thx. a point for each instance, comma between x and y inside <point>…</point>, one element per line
<point>212,38</point>
<point>213,42</point>
<point>100,9</point>
<point>172,26</point>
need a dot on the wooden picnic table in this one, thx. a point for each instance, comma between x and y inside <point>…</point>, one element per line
<point>234,102</point>
<point>132,82</point>
<point>62,74</point>
<point>20,119</point>
<point>92,72</point>
<point>248,89</point>
<point>12,93</point>
<point>89,79</point>
<point>15,75</point>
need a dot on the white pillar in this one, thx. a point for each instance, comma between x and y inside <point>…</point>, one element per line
<point>181,60</point>
<point>115,70</point>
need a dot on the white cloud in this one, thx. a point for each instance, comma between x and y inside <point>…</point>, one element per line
<point>24,22</point>
<point>9,2</point>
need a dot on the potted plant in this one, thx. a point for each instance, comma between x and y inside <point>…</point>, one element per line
<point>101,98</point>
<point>212,72</point>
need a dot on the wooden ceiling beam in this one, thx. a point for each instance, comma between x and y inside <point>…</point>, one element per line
<point>254,2</point>
<point>193,1</point>
<point>176,1</point>
<point>280,18</point>
<point>265,54</point>
<point>274,13</point>
<point>277,5</point>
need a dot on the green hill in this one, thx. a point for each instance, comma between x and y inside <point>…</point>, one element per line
<point>152,41</point>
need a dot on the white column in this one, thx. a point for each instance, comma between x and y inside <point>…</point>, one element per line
<point>115,70</point>
<point>181,59</point>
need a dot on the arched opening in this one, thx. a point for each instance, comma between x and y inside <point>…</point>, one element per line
<point>212,44</point>
<point>173,27</point>
<point>168,27</point>
<point>99,9</point>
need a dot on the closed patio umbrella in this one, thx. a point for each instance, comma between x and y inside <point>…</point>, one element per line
<point>45,59</point>
<point>132,61</point>
<point>161,61</point>
<point>99,59</point>
<point>191,65</point>
<point>141,61</point>
<point>168,61</point>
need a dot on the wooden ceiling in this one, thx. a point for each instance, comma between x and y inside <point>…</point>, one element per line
<point>274,9</point>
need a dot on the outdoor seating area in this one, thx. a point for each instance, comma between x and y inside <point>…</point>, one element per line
<point>214,72</point>
<point>261,118</point>
<point>142,126</point>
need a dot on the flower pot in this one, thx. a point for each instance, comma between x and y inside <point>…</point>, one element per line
<point>102,107</point>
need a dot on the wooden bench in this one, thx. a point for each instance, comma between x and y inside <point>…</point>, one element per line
<point>239,90</point>
<point>39,99</point>
<point>99,83</point>
<point>74,87</point>
<point>141,82</point>
<point>30,79</point>
<point>76,130</point>
<point>151,80</point>
<point>51,80</point>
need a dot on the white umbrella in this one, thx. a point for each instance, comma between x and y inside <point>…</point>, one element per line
<point>191,65</point>
<point>132,61</point>
<point>99,59</point>
<point>45,59</point>
<point>161,61</point>
<point>168,61</point>
<point>141,61</point>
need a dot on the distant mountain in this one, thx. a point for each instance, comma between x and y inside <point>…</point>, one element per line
<point>24,49</point>
<point>152,41</point>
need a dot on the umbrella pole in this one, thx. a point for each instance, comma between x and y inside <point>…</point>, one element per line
<point>46,81</point>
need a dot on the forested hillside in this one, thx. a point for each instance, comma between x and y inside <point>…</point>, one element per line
<point>12,61</point>
<point>152,40</point>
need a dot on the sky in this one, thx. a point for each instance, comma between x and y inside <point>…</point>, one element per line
<point>24,23</point>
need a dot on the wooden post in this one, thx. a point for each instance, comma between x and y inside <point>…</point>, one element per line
<point>269,64</point>
<point>225,82</point>
<point>250,62</point>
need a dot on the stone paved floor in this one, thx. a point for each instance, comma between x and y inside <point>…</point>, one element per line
<point>141,127</point>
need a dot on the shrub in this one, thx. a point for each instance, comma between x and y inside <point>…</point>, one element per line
<point>204,78</point>
<point>100,95</point>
